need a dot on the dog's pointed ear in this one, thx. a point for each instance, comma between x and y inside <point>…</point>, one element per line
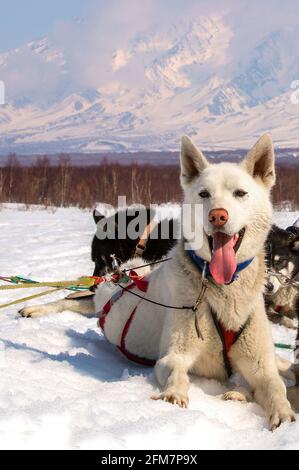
<point>193,161</point>
<point>97,216</point>
<point>260,161</point>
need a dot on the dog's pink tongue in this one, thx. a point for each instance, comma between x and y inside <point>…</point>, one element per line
<point>223,264</point>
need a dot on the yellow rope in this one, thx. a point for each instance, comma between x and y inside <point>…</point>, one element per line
<point>30,297</point>
<point>82,281</point>
<point>57,285</point>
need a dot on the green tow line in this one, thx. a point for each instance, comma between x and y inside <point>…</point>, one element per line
<point>284,346</point>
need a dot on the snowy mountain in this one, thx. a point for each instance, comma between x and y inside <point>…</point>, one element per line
<point>151,89</point>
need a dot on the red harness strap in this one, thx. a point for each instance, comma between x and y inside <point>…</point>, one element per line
<point>228,339</point>
<point>132,357</point>
<point>107,307</point>
<point>141,284</point>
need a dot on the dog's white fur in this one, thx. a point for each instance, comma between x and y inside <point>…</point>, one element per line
<point>168,335</point>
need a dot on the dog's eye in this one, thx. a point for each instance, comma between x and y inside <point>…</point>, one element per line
<point>204,194</point>
<point>240,193</point>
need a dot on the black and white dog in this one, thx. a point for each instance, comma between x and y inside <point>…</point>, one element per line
<point>282,289</point>
<point>129,232</point>
<point>148,238</point>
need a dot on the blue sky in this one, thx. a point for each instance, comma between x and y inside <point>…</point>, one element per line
<point>25,20</point>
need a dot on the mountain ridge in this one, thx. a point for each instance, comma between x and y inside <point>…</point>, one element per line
<point>156,87</point>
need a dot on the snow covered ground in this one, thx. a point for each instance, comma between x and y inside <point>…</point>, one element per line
<point>63,386</point>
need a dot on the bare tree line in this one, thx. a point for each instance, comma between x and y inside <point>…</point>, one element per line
<point>66,185</point>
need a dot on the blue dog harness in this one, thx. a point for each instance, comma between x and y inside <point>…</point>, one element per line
<point>204,266</point>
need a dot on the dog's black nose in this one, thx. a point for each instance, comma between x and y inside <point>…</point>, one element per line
<point>269,286</point>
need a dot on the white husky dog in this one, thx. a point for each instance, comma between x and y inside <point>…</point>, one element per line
<point>237,218</point>
<point>235,333</point>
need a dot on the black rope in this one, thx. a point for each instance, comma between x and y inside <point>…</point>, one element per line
<point>194,308</point>
<point>153,301</point>
<point>148,264</point>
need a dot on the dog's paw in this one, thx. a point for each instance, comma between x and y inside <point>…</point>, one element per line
<point>240,394</point>
<point>288,323</point>
<point>172,397</point>
<point>234,396</point>
<point>282,415</point>
<point>34,311</point>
